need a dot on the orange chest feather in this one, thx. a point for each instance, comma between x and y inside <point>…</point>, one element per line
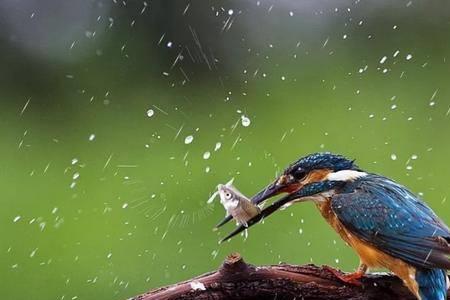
<point>368,254</point>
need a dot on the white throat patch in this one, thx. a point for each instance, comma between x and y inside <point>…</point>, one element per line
<point>345,175</point>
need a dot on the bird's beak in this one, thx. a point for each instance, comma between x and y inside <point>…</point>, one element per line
<point>283,184</point>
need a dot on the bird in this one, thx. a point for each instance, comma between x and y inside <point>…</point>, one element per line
<point>387,225</point>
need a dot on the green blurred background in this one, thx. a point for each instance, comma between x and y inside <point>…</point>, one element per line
<point>102,196</point>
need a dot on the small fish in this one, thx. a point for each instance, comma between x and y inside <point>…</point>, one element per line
<point>236,204</point>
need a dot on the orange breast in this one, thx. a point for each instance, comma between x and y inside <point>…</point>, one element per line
<point>369,255</point>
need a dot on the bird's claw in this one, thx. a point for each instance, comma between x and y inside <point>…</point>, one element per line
<point>350,278</point>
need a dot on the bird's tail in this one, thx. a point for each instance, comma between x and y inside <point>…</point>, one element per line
<point>432,283</point>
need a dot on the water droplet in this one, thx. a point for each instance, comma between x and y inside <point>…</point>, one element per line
<point>150,113</point>
<point>218,145</point>
<point>125,205</point>
<point>16,219</point>
<point>188,139</point>
<point>393,157</point>
<point>206,155</point>
<point>230,12</point>
<point>91,137</point>
<point>383,59</point>
<point>408,57</point>
<point>245,121</point>
<point>33,253</point>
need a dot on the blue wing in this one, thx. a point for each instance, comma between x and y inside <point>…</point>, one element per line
<point>392,219</point>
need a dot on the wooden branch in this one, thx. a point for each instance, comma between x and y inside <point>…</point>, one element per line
<point>236,279</point>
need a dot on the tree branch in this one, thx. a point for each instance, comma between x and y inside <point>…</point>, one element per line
<point>236,279</point>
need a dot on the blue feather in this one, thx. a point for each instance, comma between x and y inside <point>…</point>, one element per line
<point>432,284</point>
<point>392,219</point>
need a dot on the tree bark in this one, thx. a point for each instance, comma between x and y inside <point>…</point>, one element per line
<point>236,279</point>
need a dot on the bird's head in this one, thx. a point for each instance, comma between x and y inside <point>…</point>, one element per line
<point>307,177</point>
<point>310,169</point>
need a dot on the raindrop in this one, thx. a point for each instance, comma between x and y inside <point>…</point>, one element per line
<point>206,155</point>
<point>393,157</point>
<point>245,121</point>
<point>91,137</point>
<point>16,219</point>
<point>408,57</point>
<point>33,253</point>
<point>150,113</point>
<point>383,59</point>
<point>218,145</point>
<point>188,139</point>
<point>230,12</point>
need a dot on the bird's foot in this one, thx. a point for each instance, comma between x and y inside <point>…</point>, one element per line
<point>350,278</point>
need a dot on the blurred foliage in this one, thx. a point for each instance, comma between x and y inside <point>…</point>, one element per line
<point>102,201</point>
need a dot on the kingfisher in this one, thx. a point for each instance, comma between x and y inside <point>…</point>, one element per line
<point>382,221</point>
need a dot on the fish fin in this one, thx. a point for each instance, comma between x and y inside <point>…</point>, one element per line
<point>230,182</point>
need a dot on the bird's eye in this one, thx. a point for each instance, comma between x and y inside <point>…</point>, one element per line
<point>228,195</point>
<point>299,174</point>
